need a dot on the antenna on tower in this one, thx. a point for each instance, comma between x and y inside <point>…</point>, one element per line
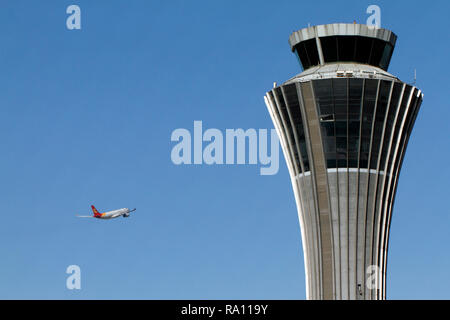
<point>415,76</point>
<point>413,83</point>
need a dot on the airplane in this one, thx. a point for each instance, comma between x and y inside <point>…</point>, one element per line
<point>124,212</point>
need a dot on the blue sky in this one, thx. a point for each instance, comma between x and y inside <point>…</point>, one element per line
<point>86,118</point>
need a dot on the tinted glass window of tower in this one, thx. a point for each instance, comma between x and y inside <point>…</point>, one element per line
<point>382,101</point>
<point>397,127</point>
<point>349,136</point>
<point>307,53</point>
<point>339,102</point>
<point>354,115</point>
<point>287,123</point>
<point>370,94</point>
<point>292,102</point>
<point>358,49</point>
<point>396,92</point>
<point>339,87</point>
<point>325,110</point>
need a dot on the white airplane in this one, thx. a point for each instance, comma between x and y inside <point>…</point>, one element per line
<point>124,212</point>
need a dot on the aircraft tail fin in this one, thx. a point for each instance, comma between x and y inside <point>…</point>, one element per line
<point>96,213</point>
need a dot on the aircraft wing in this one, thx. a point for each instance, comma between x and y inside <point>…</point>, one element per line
<point>84,216</point>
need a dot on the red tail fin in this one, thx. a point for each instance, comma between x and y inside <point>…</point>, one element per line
<point>96,213</point>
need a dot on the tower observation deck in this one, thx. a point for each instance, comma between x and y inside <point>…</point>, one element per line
<point>344,124</point>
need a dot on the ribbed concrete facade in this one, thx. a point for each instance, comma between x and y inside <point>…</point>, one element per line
<point>344,128</point>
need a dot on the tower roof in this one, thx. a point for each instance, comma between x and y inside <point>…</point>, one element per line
<point>342,42</point>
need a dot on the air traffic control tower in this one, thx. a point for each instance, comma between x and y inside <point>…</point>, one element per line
<point>344,124</point>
